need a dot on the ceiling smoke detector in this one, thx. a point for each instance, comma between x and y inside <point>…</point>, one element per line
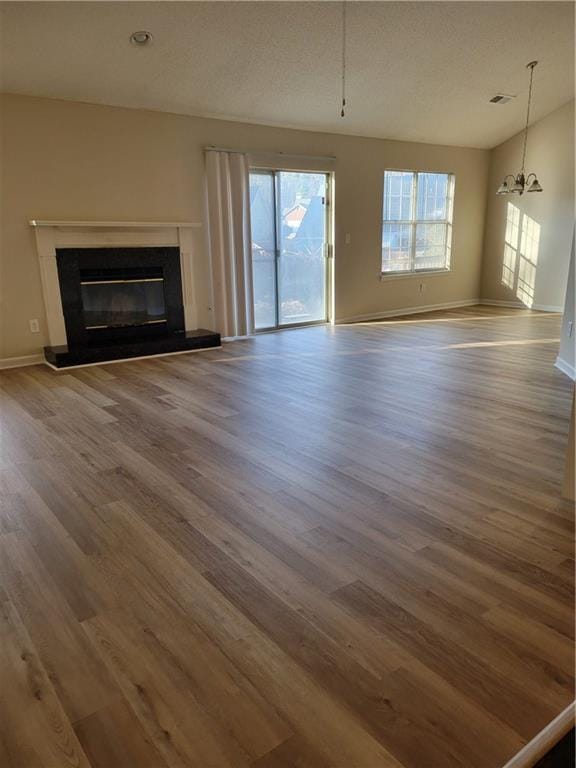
<point>141,38</point>
<point>501,98</point>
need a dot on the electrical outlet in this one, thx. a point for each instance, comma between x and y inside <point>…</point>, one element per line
<point>570,327</point>
<point>347,238</point>
<point>34,326</point>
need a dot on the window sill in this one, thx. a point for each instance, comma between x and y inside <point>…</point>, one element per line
<point>385,276</point>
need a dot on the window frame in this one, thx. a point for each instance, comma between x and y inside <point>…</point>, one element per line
<point>413,222</point>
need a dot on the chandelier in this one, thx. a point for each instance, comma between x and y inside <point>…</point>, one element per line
<point>521,183</point>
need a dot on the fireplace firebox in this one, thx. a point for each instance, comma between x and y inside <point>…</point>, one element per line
<point>120,303</point>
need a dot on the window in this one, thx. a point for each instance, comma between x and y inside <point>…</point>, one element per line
<point>416,221</point>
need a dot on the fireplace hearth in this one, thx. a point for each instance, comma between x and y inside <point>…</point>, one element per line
<point>120,303</point>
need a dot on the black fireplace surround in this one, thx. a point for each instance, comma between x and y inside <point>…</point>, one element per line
<point>120,303</point>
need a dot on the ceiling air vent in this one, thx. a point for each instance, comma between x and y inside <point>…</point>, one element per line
<point>501,98</point>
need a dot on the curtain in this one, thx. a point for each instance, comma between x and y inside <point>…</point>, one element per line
<point>228,198</point>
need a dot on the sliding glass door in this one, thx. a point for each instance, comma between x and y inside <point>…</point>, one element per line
<point>289,214</point>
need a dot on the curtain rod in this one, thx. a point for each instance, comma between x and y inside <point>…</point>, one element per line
<point>264,152</point>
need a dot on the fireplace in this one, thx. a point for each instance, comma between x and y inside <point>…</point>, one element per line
<point>113,294</point>
<point>122,302</point>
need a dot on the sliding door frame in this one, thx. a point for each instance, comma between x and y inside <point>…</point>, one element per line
<point>328,247</point>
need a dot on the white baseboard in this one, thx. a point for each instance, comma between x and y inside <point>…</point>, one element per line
<point>406,311</point>
<point>519,305</point>
<point>566,368</point>
<point>498,303</point>
<point>20,362</point>
<point>547,308</point>
<point>544,741</point>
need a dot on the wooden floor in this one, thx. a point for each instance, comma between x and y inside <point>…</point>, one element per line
<point>324,547</point>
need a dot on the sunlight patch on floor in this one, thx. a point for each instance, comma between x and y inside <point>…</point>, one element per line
<point>386,350</point>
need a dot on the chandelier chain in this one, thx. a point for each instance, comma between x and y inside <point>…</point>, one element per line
<point>531,65</point>
<point>343,58</point>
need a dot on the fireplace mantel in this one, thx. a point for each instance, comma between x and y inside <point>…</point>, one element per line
<point>51,235</point>
<point>114,224</point>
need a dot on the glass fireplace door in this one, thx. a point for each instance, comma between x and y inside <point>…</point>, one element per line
<point>122,303</point>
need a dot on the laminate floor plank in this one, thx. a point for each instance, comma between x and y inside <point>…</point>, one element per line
<point>113,737</point>
<point>74,669</point>
<point>331,547</point>
<point>35,730</point>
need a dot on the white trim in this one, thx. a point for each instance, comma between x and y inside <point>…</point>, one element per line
<point>544,741</point>
<point>546,308</point>
<point>384,276</point>
<point>109,224</point>
<point>128,359</point>
<point>566,368</point>
<point>186,243</point>
<point>519,305</point>
<point>498,303</point>
<point>20,362</point>
<point>407,311</point>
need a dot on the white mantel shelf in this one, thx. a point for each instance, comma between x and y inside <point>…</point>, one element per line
<point>110,224</point>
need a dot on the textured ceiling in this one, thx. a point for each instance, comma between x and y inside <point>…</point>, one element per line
<point>416,71</point>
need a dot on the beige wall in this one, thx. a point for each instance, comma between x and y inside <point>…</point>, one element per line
<point>551,156</point>
<point>66,160</point>
<point>567,352</point>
